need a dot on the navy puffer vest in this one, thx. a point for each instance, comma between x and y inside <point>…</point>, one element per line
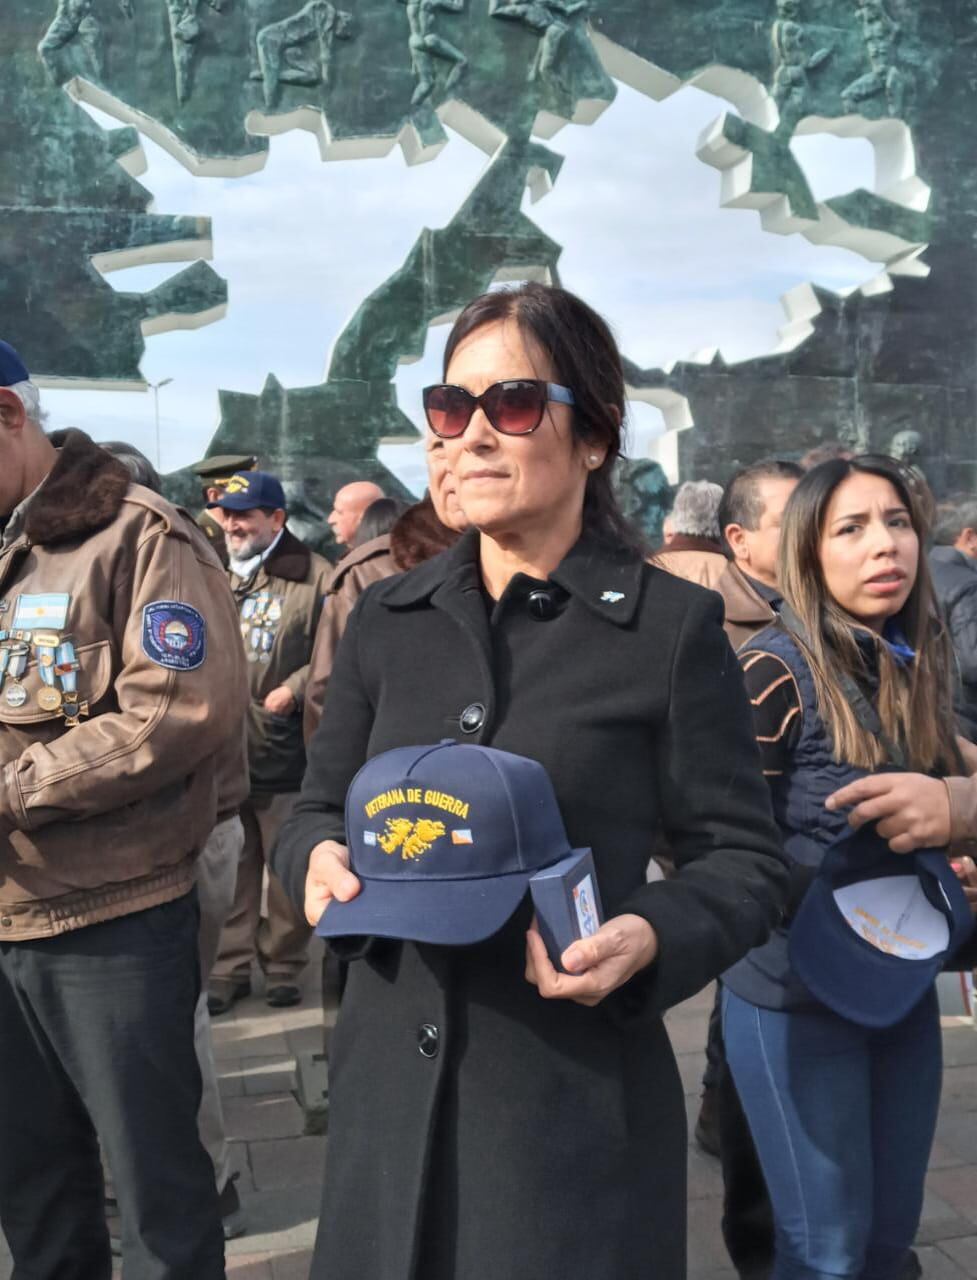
<point>764,976</point>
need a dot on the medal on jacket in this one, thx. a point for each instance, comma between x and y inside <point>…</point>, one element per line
<point>66,668</point>
<point>254,637</point>
<point>46,647</point>
<point>19,651</point>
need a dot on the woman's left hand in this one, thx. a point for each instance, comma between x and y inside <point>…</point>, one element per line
<point>597,965</point>
<point>912,810</point>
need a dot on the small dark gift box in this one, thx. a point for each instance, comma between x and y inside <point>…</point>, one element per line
<point>567,902</point>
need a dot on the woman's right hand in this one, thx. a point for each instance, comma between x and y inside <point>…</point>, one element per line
<point>328,877</point>
<point>912,811</point>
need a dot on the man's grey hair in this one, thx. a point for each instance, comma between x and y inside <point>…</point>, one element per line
<point>952,517</point>
<point>696,509</point>
<point>138,465</point>
<point>30,398</point>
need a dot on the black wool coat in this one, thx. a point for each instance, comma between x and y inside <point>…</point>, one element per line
<point>478,1131</point>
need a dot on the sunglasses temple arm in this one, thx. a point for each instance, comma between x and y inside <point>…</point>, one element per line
<point>562,395</point>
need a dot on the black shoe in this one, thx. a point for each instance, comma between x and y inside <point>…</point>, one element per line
<point>912,1268</point>
<point>223,995</point>
<point>283,995</point>
<point>707,1125</point>
<point>232,1215</point>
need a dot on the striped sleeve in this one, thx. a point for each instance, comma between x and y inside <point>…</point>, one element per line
<point>776,704</point>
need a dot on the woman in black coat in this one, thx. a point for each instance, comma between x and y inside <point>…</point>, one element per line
<point>489,1116</point>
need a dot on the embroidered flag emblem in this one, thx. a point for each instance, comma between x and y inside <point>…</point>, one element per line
<point>370,838</point>
<point>49,611</point>
<point>463,836</point>
<point>174,635</point>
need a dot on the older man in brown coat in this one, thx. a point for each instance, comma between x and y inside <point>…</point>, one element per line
<point>114,703</point>
<point>278,584</point>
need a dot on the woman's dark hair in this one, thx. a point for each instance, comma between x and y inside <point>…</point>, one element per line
<point>419,535</point>
<point>585,358</point>
<point>915,706</point>
<point>379,518</point>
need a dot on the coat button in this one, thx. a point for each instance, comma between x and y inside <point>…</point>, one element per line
<point>540,605</point>
<point>6,922</point>
<point>428,1040</point>
<point>472,718</point>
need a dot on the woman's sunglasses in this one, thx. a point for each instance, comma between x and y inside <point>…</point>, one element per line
<point>515,408</point>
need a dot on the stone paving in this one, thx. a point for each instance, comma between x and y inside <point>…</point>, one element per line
<point>281,1166</point>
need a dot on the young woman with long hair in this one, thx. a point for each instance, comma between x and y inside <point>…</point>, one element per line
<point>854,680</point>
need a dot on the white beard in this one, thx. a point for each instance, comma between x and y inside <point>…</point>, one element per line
<point>244,568</point>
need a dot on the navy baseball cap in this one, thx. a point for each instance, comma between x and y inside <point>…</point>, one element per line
<point>12,368</point>
<point>249,489</point>
<point>444,840</point>
<point>875,928</point>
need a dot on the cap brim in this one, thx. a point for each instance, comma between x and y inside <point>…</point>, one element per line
<point>847,973</point>
<point>233,504</point>
<point>451,913</point>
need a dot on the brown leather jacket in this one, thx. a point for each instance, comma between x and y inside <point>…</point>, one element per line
<point>231,760</point>
<point>105,817</point>
<point>279,608</point>
<point>746,610</point>
<point>352,575</point>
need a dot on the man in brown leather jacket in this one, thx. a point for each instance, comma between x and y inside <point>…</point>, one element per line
<point>278,586</point>
<point>113,702</point>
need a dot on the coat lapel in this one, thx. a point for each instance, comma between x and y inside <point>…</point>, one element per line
<point>606,579</point>
<point>451,582</point>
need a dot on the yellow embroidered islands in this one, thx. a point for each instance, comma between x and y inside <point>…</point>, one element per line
<point>411,838</point>
<point>416,795</point>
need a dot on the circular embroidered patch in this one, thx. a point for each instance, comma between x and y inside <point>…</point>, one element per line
<point>174,635</point>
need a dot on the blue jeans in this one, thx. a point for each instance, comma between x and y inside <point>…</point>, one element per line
<point>843,1119</point>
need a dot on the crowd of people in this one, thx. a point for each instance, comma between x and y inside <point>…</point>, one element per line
<point>761,731</point>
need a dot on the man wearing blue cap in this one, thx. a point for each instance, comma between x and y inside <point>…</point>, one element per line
<point>279,586</point>
<point>118,690</point>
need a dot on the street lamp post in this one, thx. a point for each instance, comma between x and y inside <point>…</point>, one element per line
<point>156,386</point>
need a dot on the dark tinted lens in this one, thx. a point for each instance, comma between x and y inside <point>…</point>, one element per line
<point>515,408</point>
<point>448,409</point>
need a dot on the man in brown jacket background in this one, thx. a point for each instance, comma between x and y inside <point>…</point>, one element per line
<point>745,518</point>
<point>278,586</point>
<point>114,703</point>
<point>423,530</point>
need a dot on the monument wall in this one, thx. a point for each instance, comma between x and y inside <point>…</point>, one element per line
<point>210,80</point>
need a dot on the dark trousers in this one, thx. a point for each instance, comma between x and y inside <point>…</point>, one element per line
<point>96,1044</point>
<point>843,1117</point>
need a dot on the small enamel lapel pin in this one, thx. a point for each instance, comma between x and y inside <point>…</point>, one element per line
<point>612,597</point>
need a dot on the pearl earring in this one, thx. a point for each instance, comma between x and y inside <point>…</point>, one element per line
<point>592,459</point>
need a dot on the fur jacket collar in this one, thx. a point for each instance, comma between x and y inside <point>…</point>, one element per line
<point>83,492</point>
